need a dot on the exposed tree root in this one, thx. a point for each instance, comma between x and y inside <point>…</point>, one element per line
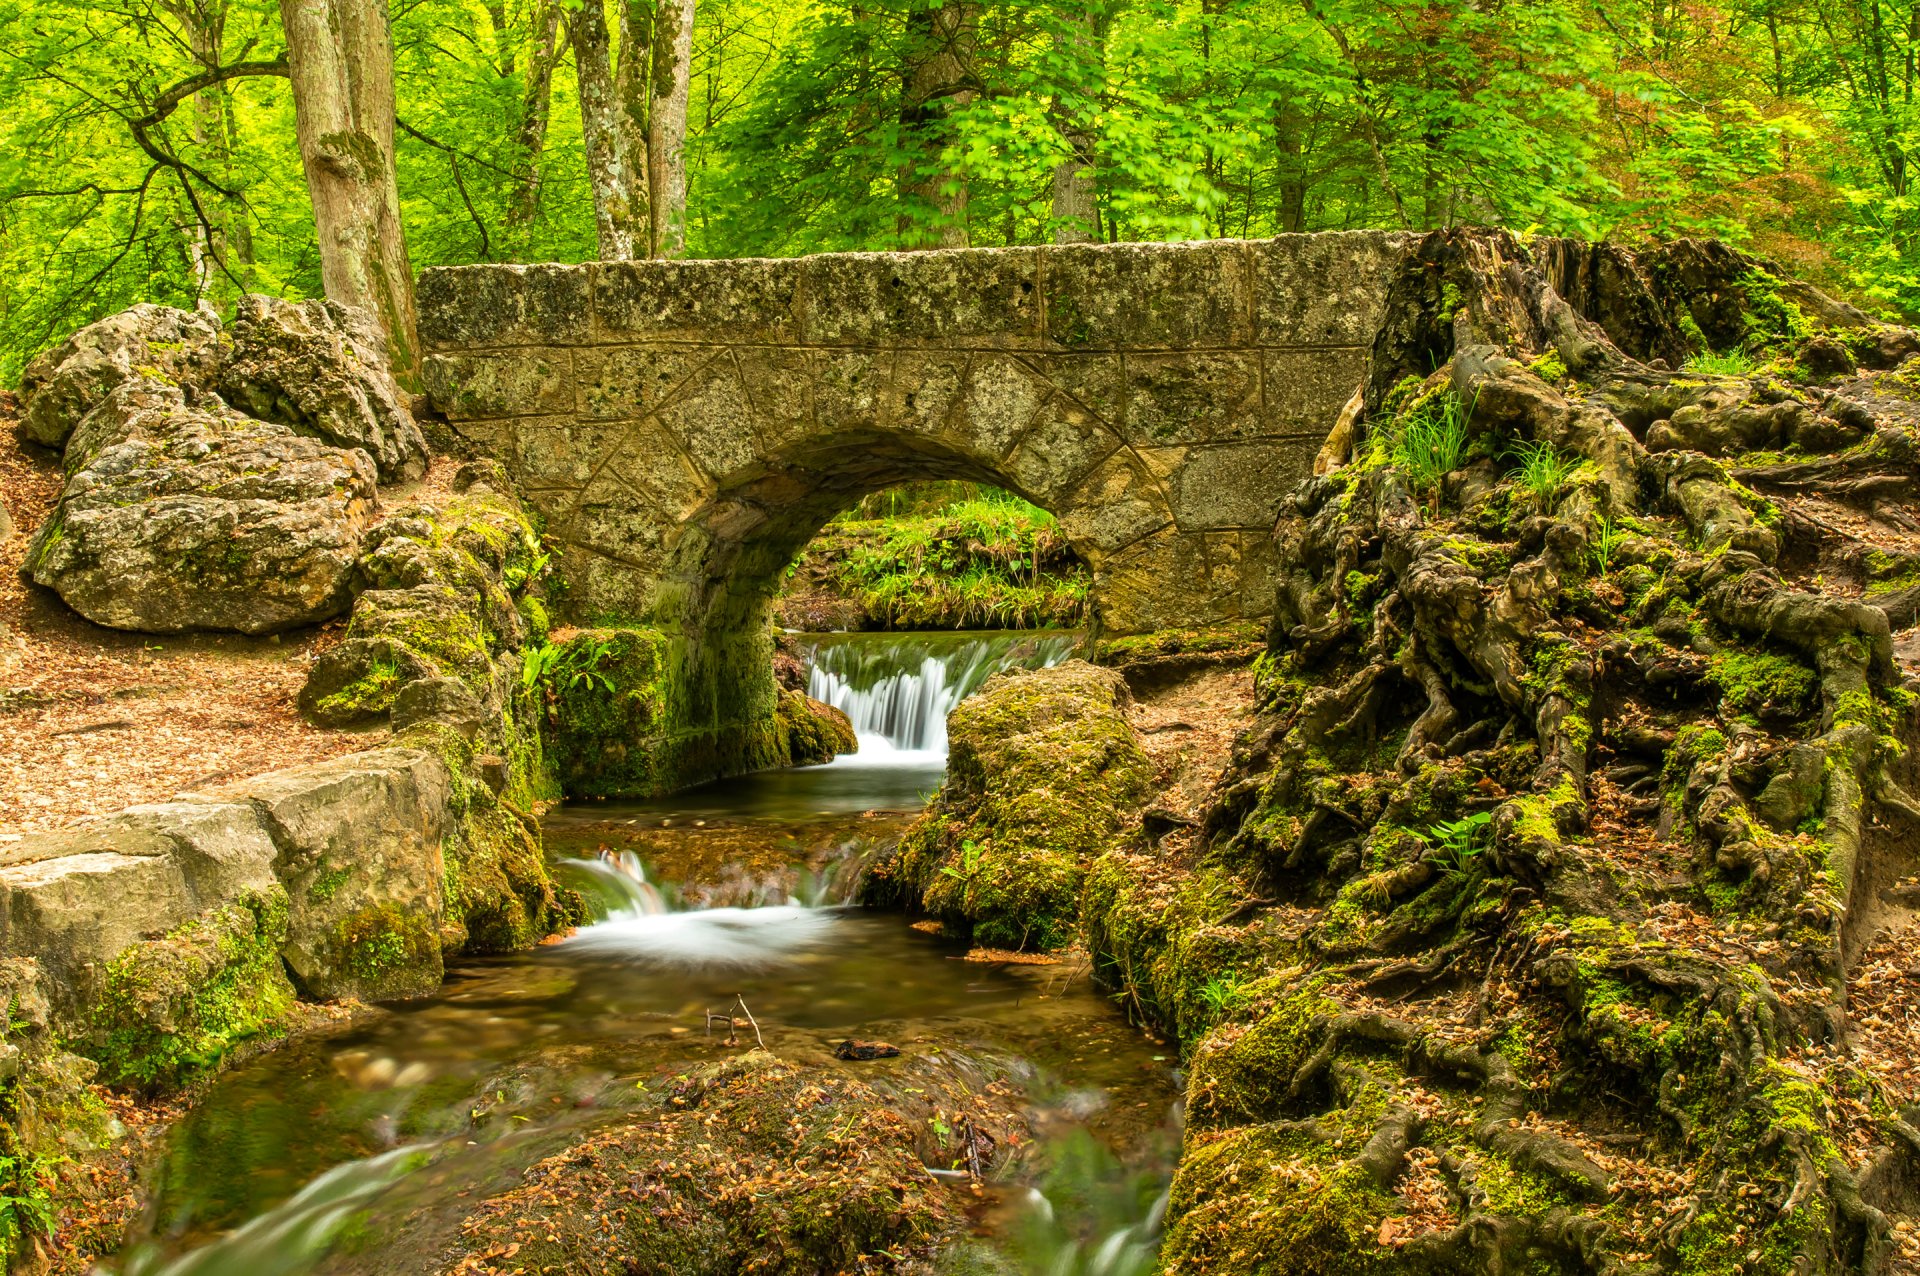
<point>1585,745</point>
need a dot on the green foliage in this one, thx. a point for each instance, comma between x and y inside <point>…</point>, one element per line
<point>1732,363</point>
<point>1461,842</point>
<point>987,559</point>
<point>1542,471</point>
<point>1429,441</point>
<point>1606,543</point>
<point>1195,120</point>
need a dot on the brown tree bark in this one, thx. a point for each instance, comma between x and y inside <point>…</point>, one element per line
<point>340,55</point>
<point>667,126</point>
<point>607,169</point>
<point>536,111</point>
<point>937,79</point>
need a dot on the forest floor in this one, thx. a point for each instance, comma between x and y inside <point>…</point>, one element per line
<point>95,719</point>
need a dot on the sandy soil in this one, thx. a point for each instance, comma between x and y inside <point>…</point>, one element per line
<point>93,719</point>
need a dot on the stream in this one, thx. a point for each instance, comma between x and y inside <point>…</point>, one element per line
<point>735,892</point>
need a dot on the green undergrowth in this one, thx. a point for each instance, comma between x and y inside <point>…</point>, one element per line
<point>989,561</point>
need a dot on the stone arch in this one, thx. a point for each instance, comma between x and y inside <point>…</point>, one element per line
<point>684,427</point>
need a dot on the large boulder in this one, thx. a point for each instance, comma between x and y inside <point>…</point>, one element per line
<point>186,517</point>
<point>161,343</point>
<point>1044,774</point>
<point>320,368</point>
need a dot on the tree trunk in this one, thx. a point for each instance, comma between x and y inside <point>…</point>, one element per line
<point>633,83</point>
<point>340,55</point>
<point>1076,213</point>
<point>667,126</point>
<point>937,79</point>
<point>536,110</point>
<point>600,125</point>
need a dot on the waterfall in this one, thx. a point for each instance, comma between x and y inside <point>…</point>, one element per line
<point>897,689</point>
<point>618,881</point>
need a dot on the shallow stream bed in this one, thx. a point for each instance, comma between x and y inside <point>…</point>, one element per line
<point>363,1151</point>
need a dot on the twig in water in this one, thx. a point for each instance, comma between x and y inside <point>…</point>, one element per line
<point>750,1019</point>
<point>732,1039</point>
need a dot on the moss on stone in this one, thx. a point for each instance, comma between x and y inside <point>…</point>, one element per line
<point>170,1008</point>
<point>814,732</point>
<point>1043,770</point>
<point>387,950</point>
<point>1240,1072</point>
<point>1246,1202</point>
<point>607,711</point>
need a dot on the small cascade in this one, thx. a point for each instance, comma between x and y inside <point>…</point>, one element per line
<point>897,689</point>
<point>617,882</point>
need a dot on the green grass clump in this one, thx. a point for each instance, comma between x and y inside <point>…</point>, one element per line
<point>1542,471</point>
<point>1430,440</point>
<point>1730,363</point>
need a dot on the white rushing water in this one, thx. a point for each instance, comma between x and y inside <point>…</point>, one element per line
<point>897,689</point>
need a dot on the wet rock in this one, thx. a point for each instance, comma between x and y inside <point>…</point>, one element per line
<point>157,343</point>
<point>182,518</point>
<point>320,368</point>
<point>815,732</point>
<point>854,1049</point>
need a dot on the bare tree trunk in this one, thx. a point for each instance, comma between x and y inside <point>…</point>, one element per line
<point>667,126</point>
<point>340,54</point>
<point>600,124</point>
<point>633,82</point>
<point>1076,213</point>
<point>536,110</point>
<point>938,78</point>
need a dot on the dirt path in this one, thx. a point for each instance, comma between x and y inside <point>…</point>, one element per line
<point>93,719</point>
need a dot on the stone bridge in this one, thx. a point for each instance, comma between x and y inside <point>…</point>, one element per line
<point>686,427</point>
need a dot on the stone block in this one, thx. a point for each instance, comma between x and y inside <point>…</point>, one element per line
<point>1058,452</point>
<point>1147,296</point>
<point>981,297</point>
<point>631,381</point>
<point>76,913</point>
<point>1004,395</point>
<point>359,851</point>
<point>704,301</point>
<point>1326,289</point>
<point>1133,596</point>
<point>712,418</point>
<point>476,384</point>
<point>779,385</point>
<point>1240,485</point>
<point>1305,389</point>
<point>849,388</point>
<point>464,307</point>
<point>1193,397</point>
<point>1116,505</point>
<point>923,391</point>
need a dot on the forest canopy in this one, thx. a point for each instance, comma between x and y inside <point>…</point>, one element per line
<point>147,150</point>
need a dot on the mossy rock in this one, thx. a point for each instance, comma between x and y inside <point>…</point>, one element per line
<point>1247,1202</point>
<point>750,1164</point>
<point>607,707</point>
<point>815,732</point>
<point>1044,772</point>
<point>172,1007</point>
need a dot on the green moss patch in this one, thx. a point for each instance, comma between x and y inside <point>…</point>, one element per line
<point>172,1007</point>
